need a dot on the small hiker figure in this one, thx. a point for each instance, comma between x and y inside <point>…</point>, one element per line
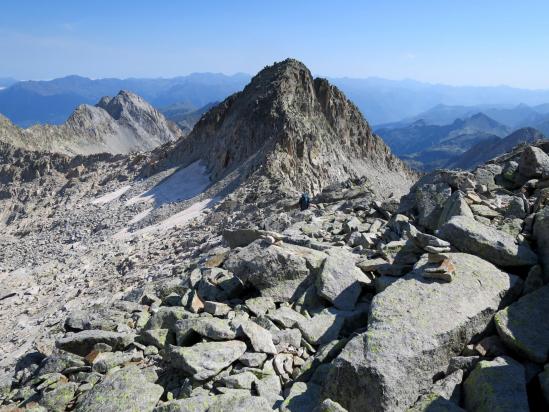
<point>304,201</point>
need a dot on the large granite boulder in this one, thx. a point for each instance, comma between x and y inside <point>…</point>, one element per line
<point>431,199</point>
<point>205,360</point>
<point>122,391</point>
<point>524,325</point>
<point>498,385</point>
<point>340,281</point>
<point>415,326</point>
<point>281,271</point>
<point>500,248</point>
<point>455,206</point>
<point>534,162</point>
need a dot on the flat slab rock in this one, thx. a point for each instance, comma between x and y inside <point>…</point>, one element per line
<point>415,326</point>
<point>82,343</point>
<point>205,360</point>
<point>497,385</point>
<point>500,248</point>
<point>122,391</point>
<point>524,325</point>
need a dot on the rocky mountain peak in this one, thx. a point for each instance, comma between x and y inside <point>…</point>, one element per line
<point>298,130</point>
<point>121,124</point>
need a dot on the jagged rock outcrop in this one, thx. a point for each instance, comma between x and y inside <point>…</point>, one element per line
<point>300,131</point>
<point>121,124</point>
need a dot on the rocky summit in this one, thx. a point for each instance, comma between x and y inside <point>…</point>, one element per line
<point>117,125</point>
<point>187,278</point>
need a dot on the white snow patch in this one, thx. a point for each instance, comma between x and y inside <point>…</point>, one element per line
<point>140,216</point>
<point>178,219</point>
<point>109,197</point>
<point>183,184</point>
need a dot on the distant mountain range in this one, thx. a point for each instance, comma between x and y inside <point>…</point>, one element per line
<point>489,149</point>
<point>383,101</point>
<point>429,146</point>
<point>426,143</point>
<point>30,102</point>
<point>513,116</point>
<point>380,101</point>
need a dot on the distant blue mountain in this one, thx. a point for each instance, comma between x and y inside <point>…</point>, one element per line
<point>380,101</point>
<point>31,102</point>
<point>6,82</point>
<point>385,101</point>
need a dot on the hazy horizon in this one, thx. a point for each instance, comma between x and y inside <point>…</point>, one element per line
<point>452,43</point>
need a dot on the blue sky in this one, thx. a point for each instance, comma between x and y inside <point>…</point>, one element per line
<point>482,42</point>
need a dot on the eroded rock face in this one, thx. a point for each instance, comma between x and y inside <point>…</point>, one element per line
<point>497,385</point>
<point>471,236</point>
<point>415,327</point>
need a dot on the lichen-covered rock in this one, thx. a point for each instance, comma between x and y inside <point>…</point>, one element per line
<point>229,402</point>
<point>302,397</point>
<point>82,343</point>
<point>524,325</point>
<point>279,271</point>
<point>205,360</point>
<point>415,326</point>
<point>56,400</point>
<point>497,385</point>
<point>126,390</point>
<point>321,328</point>
<point>328,405</point>
<point>166,317</point>
<point>471,236</point>
<point>260,338</point>
<point>435,403</point>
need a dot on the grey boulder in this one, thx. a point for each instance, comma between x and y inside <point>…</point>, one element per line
<point>280,271</point>
<point>340,281</point>
<point>534,162</point>
<point>524,325</point>
<point>205,360</point>
<point>470,236</point>
<point>122,391</point>
<point>415,326</point>
<point>497,385</point>
<point>82,343</point>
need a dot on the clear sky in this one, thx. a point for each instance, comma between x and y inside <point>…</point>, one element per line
<point>474,42</point>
